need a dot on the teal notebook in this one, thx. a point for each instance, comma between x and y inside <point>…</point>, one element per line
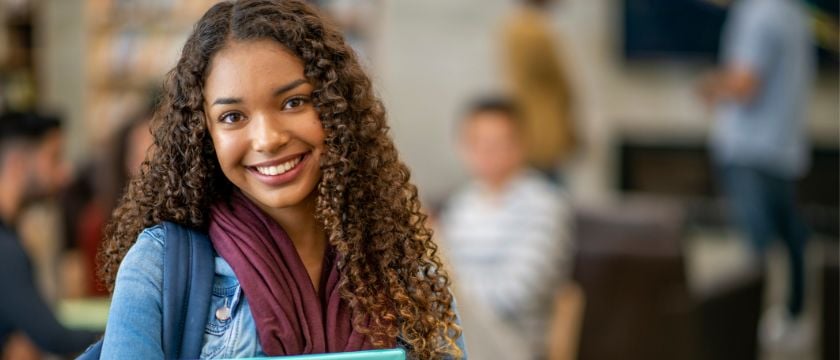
<point>390,354</point>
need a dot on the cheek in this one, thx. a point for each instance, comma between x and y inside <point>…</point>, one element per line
<point>41,170</point>
<point>309,132</point>
<point>315,132</point>
<point>47,165</point>
<point>226,150</point>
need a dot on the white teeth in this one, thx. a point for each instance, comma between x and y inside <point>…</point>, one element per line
<point>278,169</point>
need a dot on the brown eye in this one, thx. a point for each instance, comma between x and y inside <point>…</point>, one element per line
<point>294,103</point>
<point>230,118</point>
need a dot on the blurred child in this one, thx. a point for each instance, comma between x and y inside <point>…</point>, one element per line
<point>507,231</point>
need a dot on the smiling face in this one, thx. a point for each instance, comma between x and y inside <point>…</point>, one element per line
<point>46,172</point>
<point>265,130</point>
<point>491,147</point>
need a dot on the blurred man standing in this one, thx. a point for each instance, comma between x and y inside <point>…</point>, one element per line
<point>538,80</point>
<point>507,231</point>
<point>31,169</point>
<point>759,141</point>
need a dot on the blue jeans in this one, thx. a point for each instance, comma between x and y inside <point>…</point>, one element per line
<point>764,206</point>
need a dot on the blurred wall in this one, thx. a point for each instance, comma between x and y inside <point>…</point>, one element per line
<point>436,56</point>
<point>61,31</point>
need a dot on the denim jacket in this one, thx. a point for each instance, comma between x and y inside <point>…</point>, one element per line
<point>135,318</point>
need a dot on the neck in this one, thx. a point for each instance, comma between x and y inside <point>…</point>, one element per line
<point>300,224</point>
<point>497,184</point>
<point>11,197</point>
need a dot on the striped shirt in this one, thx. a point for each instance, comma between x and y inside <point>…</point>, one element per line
<point>510,250</point>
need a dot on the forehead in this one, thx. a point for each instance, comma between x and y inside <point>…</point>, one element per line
<point>244,66</point>
<point>489,121</point>
<point>50,142</point>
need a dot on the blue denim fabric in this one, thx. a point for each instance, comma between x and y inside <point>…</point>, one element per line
<point>134,321</point>
<point>135,318</point>
<point>764,206</point>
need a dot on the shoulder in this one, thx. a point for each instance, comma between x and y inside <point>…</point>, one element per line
<point>12,254</point>
<point>533,187</point>
<point>145,258</point>
<point>527,23</point>
<point>545,202</point>
<point>152,233</point>
<point>465,195</point>
<point>135,316</point>
<point>759,11</point>
<point>149,243</point>
<point>9,243</point>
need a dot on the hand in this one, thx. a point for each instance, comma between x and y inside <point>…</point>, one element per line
<point>708,89</point>
<point>19,347</point>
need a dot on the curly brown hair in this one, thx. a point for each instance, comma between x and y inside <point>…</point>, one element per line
<point>370,211</point>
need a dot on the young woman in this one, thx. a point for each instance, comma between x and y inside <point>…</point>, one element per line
<point>270,139</point>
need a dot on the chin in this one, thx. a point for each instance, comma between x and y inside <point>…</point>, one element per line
<point>275,202</point>
<point>279,198</point>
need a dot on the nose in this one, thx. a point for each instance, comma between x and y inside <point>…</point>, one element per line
<point>268,134</point>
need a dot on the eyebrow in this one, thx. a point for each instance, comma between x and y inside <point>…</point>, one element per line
<point>289,86</point>
<point>278,91</point>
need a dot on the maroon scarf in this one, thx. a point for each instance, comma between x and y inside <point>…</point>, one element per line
<point>291,318</point>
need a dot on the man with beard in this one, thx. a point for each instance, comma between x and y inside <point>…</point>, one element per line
<point>31,169</point>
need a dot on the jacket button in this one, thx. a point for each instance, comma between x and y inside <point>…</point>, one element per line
<point>223,313</point>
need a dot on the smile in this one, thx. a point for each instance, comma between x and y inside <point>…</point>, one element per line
<point>279,169</point>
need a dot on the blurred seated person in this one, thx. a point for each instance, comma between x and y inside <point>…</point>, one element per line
<point>506,232</point>
<point>31,169</point>
<point>94,193</point>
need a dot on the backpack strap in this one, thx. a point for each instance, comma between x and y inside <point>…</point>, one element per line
<point>188,271</point>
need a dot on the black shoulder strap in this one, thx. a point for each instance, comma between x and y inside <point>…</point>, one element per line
<point>188,271</point>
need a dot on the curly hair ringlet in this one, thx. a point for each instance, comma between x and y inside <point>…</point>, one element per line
<point>389,267</point>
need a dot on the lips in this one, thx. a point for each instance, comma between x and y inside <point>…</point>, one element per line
<point>280,171</point>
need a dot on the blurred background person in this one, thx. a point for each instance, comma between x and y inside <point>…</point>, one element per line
<point>507,232</point>
<point>536,76</point>
<point>31,169</point>
<point>93,194</point>
<point>759,141</point>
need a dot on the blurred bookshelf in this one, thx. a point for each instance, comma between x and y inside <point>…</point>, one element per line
<point>131,45</point>
<point>18,83</point>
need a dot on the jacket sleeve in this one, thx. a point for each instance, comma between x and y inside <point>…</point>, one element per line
<point>135,319</point>
<point>460,341</point>
<point>24,309</point>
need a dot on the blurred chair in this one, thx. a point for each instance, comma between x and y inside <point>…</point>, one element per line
<point>630,265</point>
<point>728,312</point>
